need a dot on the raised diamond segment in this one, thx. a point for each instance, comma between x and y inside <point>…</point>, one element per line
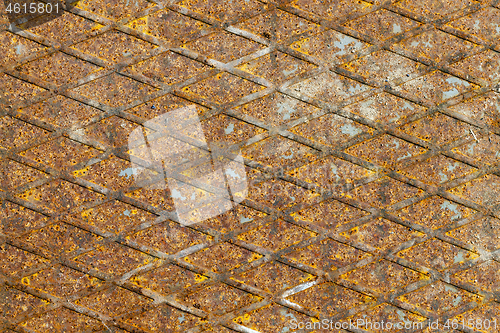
<point>63,320</point>
<point>14,47</point>
<point>233,219</point>
<point>161,105</point>
<point>61,153</point>
<point>115,216</point>
<point>169,237</point>
<point>60,195</point>
<point>395,276</point>
<point>437,169</point>
<point>269,193</point>
<point>385,108</point>
<point>17,262</point>
<point>484,65</point>
<point>482,23</point>
<point>327,299</point>
<point>114,90</point>
<point>61,238</point>
<point>276,152</point>
<point>381,234</point>
<point>277,109</point>
<point>331,173</point>
<point>14,302</point>
<point>61,112</point>
<point>483,109</point>
<point>331,9</point>
<point>113,173</point>
<point>435,212</point>
<point>112,131</point>
<point>61,281</point>
<point>113,259</point>
<point>330,214</point>
<point>223,88</point>
<point>484,190</point>
<point>443,128</point>
<point>434,9</point>
<point>222,257</point>
<point>168,25</point>
<point>113,46</point>
<point>330,129</point>
<point>116,10</point>
<point>223,46</point>
<point>15,133</point>
<point>20,174</point>
<point>17,220</point>
<point>113,301</point>
<point>274,277</point>
<point>436,87</point>
<point>385,192</point>
<point>438,46</point>
<point>485,150</point>
<point>330,46</point>
<point>277,67</point>
<point>160,198</point>
<point>169,68</point>
<point>382,24</point>
<point>276,236</point>
<point>327,255</point>
<point>386,151</point>
<point>167,279</point>
<point>65,27</point>
<point>480,234</point>
<point>436,254</point>
<point>220,10</point>
<point>278,24</point>
<point>440,297</point>
<point>59,68</point>
<point>16,91</point>
<point>385,67</point>
<point>225,129</point>
<point>483,276</point>
<point>330,87</point>
<point>219,299</point>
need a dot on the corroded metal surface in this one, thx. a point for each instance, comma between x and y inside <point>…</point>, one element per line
<point>370,135</point>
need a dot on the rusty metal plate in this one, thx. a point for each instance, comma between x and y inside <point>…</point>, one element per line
<point>250,166</point>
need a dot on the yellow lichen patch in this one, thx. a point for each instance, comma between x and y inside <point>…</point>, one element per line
<point>25,281</point>
<point>81,172</point>
<point>87,213</point>
<point>242,319</point>
<point>97,26</point>
<point>30,195</point>
<point>137,280</point>
<point>307,278</point>
<point>200,278</point>
<point>255,256</point>
<point>298,45</point>
<point>140,24</point>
